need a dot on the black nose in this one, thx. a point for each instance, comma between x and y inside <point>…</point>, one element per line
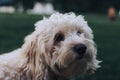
<point>80,49</point>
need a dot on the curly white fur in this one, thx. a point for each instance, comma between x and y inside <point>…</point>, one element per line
<point>42,58</point>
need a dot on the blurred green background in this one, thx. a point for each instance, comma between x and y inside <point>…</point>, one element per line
<point>14,27</point>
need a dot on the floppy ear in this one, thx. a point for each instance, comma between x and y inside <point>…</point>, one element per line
<point>31,55</point>
<point>30,48</point>
<point>36,56</point>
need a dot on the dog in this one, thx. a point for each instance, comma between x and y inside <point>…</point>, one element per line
<point>60,48</point>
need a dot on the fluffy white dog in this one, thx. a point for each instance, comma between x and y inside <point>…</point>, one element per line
<point>60,48</point>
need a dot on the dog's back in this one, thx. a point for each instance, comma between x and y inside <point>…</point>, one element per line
<point>8,61</point>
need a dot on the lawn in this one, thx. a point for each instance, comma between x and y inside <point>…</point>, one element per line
<point>13,29</point>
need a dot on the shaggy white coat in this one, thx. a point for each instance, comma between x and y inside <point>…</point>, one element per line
<point>41,58</point>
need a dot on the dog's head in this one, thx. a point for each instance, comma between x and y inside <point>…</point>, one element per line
<point>65,43</point>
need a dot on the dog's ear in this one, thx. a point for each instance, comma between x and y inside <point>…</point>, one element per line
<point>30,52</point>
<point>36,54</point>
<point>36,46</point>
<point>29,47</point>
<point>33,56</point>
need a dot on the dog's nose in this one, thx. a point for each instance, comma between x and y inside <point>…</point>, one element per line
<point>80,49</point>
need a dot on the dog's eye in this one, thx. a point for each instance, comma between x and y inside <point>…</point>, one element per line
<point>78,32</point>
<point>59,37</point>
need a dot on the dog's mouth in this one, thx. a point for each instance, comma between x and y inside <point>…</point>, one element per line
<point>75,60</point>
<point>74,68</point>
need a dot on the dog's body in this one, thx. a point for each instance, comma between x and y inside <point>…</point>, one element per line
<point>60,48</point>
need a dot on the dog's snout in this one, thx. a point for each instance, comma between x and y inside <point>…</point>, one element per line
<point>80,49</point>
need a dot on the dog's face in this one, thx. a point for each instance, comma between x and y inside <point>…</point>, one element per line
<point>69,46</point>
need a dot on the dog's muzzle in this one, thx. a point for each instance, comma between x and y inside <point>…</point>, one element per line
<point>80,49</point>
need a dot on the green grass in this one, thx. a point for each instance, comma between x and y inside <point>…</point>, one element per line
<point>13,29</point>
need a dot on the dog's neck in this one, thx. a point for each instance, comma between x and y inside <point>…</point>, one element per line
<point>53,76</point>
<point>48,75</point>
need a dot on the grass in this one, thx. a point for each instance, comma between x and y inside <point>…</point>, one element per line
<point>13,29</point>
